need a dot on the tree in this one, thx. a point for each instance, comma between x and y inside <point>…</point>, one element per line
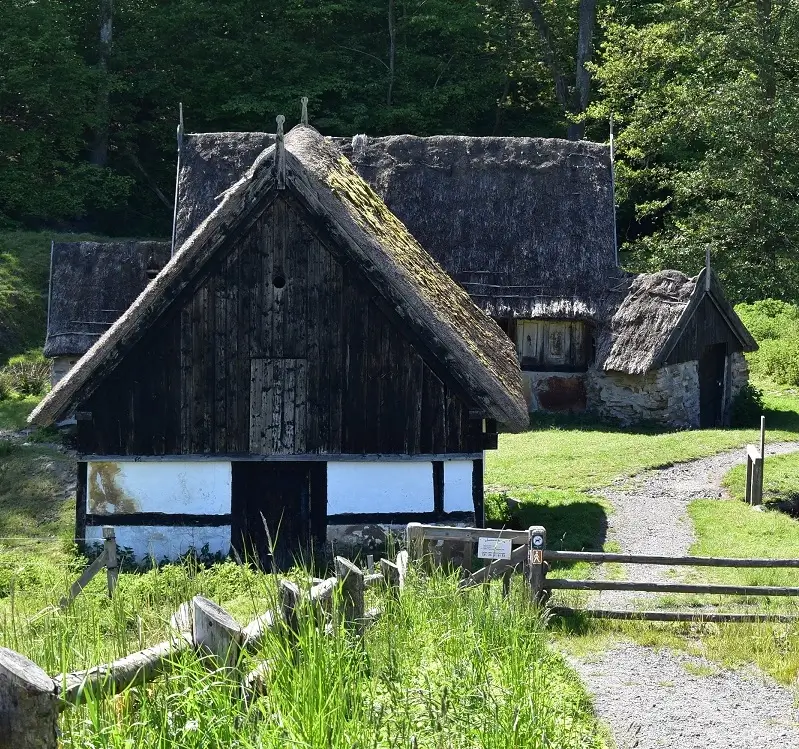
<point>708,97</point>
<point>573,100</point>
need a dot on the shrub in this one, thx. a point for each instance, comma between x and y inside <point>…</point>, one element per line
<point>747,406</point>
<point>775,326</point>
<point>26,374</point>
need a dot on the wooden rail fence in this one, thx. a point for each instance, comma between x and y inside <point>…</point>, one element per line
<point>31,700</point>
<point>441,545</point>
<point>107,559</point>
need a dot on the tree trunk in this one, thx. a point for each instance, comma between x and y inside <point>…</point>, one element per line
<point>582,76</point>
<point>392,50</point>
<point>99,151</point>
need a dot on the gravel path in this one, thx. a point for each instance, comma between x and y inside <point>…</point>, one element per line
<point>660,698</point>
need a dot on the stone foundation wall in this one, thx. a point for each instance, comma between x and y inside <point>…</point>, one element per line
<point>59,366</point>
<point>667,396</point>
<point>739,372</point>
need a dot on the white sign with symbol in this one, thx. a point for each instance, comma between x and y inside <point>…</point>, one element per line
<point>493,548</point>
<point>538,540</point>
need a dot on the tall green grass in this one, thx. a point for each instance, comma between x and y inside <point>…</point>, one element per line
<point>439,669</point>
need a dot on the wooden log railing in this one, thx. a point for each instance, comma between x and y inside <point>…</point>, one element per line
<point>107,559</point>
<point>30,699</point>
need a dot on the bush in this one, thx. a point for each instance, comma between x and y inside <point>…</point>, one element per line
<point>775,326</point>
<point>27,374</point>
<point>747,407</point>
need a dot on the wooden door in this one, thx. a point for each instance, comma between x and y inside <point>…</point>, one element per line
<point>278,509</point>
<point>712,363</point>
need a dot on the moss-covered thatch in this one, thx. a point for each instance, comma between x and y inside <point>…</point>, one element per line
<point>467,343</point>
<point>91,285</point>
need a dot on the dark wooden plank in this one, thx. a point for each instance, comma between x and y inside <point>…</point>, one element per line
<point>733,590</point>
<point>674,616</point>
<point>602,557</point>
<point>336,372</point>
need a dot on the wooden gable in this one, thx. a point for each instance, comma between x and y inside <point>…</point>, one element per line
<point>278,348</point>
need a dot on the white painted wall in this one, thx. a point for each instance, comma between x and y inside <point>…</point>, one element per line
<point>458,486</point>
<point>196,488</point>
<point>159,541</point>
<point>397,486</point>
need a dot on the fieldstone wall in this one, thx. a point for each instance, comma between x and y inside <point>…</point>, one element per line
<point>739,372</point>
<point>669,395</point>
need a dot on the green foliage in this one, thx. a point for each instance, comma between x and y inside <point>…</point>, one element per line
<point>747,407</point>
<point>706,97</point>
<point>26,374</point>
<point>775,325</point>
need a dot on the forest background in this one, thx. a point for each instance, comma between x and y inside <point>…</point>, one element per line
<point>704,95</point>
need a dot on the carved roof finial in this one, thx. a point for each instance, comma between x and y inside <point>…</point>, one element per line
<point>280,153</point>
<point>304,115</point>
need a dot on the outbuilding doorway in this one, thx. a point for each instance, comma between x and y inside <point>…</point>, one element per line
<point>712,364</point>
<point>288,498</point>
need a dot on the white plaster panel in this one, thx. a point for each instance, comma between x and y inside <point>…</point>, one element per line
<point>195,488</point>
<point>396,486</point>
<point>166,541</point>
<point>458,486</point>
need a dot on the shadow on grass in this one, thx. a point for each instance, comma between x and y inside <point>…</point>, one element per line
<point>573,521</point>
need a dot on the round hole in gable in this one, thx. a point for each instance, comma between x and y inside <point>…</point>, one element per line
<point>279,281</point>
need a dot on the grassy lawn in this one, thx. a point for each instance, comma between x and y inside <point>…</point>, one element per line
<point>15,411</point>
<point>583,456</point>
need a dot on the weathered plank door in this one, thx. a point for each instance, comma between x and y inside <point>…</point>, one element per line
<point>712,363</point>
<point>285,497</point>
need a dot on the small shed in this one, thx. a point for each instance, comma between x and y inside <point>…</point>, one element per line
<point>300,364</point>
<point>91,285</point>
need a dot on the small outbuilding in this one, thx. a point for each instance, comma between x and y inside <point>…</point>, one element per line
<point>300,364</point>
<point>91,285</point>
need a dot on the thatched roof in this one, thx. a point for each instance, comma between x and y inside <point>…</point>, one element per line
<point>525,225</point>
<point>91,285</point>
<point>652,316</point>
<point>468,344</point>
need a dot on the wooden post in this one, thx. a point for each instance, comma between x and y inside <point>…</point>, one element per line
<point>748,491</point>
<point>216,631</point>
<point>83,580</point>
<point>391,573</point>
<point>402,566</point>
<point>414,540</point>
<point>535,573</point>
<point>111,564</point>
<point>352,588</point>
<point>289,601</point>
<point>370,563</point>
<point>28,704</point>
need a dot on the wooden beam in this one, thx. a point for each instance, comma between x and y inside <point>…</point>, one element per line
<point>83,580</point>
<point>602,557</point>
<point>111,564</point>
<point>732,590</point>
<point>495,569</point>
<point>132,670</point>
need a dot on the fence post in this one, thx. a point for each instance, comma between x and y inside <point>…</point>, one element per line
<point>111,564</point>
<point>28,704</point>
<point>414,540</point>
<point>534,566</point>
<point>216,631</point>
<point>289,601</point>
<point>350,579</point>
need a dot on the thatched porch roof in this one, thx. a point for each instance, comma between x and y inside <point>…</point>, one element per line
<point>653,316</point>
<point>467,343</point>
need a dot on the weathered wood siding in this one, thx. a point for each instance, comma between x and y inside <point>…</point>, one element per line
<point>279,348</point>
<point>706,327</point>
<point>552,345</point>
